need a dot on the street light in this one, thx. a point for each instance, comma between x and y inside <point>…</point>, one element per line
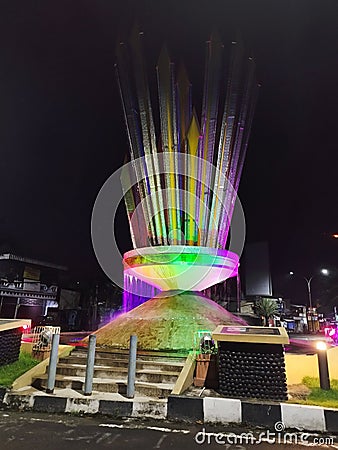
<point>308,282</point>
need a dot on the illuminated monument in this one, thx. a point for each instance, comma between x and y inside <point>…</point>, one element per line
<point>180,188</point>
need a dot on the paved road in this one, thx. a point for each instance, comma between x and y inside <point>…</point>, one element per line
<point>22,431</point>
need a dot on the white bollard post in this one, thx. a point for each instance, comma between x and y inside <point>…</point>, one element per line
<point>88,385</point>
<point>132,366</point>
<point>53,360</point>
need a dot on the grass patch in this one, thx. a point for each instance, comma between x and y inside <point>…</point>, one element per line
<point>10,372</point>
<point>318,396</point>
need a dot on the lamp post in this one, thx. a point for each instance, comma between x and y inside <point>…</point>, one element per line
<point>308,282</point>
<point>310,316</point>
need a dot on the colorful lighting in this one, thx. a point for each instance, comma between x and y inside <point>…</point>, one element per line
<point>180,267</point>
<point>180,191</point>
<point>177,197</point>
<point>332,333</point>
<point>181,187</point>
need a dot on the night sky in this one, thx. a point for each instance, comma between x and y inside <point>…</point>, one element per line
<point>62,131</point>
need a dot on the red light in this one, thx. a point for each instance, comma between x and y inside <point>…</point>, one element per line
<point>25,327</point>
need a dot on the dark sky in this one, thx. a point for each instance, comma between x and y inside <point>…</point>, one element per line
<point>62,131</point>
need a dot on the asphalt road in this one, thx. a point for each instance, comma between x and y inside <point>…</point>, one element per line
<point>22,431</point>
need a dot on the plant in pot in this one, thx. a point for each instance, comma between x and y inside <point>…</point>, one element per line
<point>206,363</point>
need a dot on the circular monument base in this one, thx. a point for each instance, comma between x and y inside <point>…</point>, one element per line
<point>167,322</point>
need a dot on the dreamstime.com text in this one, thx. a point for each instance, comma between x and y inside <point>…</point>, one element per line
<point>279,436</point>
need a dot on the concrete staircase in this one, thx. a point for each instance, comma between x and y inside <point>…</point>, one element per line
<point>156,375</point>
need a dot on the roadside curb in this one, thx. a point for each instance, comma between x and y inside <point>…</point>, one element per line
<point>84,405</point>
<point>184,408</point>
<point>267,414</point>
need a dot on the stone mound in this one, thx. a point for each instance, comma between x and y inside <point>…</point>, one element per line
<point>167,322</point>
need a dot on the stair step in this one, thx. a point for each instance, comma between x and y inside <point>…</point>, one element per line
<point>160,390</point>
<point>140,364</point>
<point>122,369</point>
<point>125,354</point>
<point>155,376</point>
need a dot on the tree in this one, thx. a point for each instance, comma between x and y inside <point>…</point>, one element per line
<point>267,308</point>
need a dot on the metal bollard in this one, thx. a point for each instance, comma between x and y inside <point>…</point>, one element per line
<point>323,366</point>
<point>53,360</point>
<point>88,385</point>
<point>132,366</point>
